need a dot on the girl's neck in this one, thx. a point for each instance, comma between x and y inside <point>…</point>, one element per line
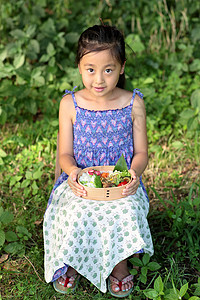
<point>116,100</point>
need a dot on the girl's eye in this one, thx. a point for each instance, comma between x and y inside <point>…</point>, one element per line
<point>108,71</point>
<point>90,70</point>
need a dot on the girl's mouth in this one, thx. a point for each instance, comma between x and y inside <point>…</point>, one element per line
<point>99,89</point>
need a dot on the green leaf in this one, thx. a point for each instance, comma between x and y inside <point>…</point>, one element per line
<point>194,298</point>
<point>158,285</point>
<point>133,272</point>
<point>35,46</point>
<point>31,30</point>
<point>54,123</point>
<point>34,186</point>
<point>39,81</point>
<point>143,279</point>
<point>15,179</point>
<point>183,289</point>
<point>19,61</point>
<point>7,88</point>
<point>145,259</point>
<point>177,145</point>
<point>72,37</point>
<point>195,99</point>
<point>6,217</point>
<point>148,80</point>
<point>18,34</point>
<point>121,164</point>
<point>195,65</point>
<point>52,62</point>
<point>186,115</point>
<point>3,55</point>
<point>23,231</point>
<point>134,42</point>
<point>50,50</point>
<point>32,107</point>
<point>195,33</point>
<point>1,211</point>
<point>3,116</point>
<point>25,183</point>
<point>13,248</point>
<point>97,181</point>
<point>144,271</point>
<point>2,153</point>
<point>29,175</point>
<point>2,237</point>
<point>151,293</point>
<point>171,296</point>
<point>44,58</point>
<point>136,262</point>
<point>33,49</point>
<point>153,266</point>
<point>192,124</point>
<point>37,174</point>
<point>156,149</point>
<point>11,236</point>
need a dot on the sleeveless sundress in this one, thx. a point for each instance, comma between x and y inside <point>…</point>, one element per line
<point>94,236</point>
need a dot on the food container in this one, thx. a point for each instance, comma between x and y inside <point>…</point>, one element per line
<point>102,194</point>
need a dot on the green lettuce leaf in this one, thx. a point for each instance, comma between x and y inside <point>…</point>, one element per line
<point>121,164</point>
<point>97,181</point>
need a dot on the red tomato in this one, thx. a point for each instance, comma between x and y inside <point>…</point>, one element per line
<point>97,172</point>
<point>91,172</point>
<point>123,183</point>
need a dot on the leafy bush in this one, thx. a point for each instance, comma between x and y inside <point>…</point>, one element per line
<point>12,241</point>
<point>37,55</point>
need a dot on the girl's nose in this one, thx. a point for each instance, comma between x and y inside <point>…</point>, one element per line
<point>99,78</point>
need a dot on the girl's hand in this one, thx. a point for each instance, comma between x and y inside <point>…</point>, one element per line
<point>77,189</point>
<point>132,187</point>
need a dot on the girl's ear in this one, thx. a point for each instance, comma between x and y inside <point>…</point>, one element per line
<point>79,69</point>
<point>122,69</point>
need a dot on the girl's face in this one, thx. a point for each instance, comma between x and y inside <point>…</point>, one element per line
<point>100,72</point>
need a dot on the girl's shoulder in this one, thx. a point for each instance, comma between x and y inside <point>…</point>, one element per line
<point>131,95</point>
<point>138,101</point>
<point>67,107</point>
<point>138,108</point>
<point>67,101</point>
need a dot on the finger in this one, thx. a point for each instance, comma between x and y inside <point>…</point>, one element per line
<point>77,189</point>
<point>75,184</point>
<point>131,186</point>
<point>130,190</point>
<point>80,193</point>
<point>74,178</point>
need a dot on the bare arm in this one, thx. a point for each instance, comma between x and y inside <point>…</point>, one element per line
<point>66,154</point>
<point>140,158</point>
<point>67,115</point>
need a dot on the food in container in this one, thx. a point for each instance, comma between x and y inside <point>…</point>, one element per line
<point>103,179</point>
<point>105,183</point>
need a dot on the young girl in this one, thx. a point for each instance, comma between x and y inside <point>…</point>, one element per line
<point>96,126</point>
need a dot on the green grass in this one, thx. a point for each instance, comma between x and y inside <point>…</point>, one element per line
<point>172,180</point>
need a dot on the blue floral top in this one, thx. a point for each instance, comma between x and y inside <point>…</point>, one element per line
<point>101,137</point>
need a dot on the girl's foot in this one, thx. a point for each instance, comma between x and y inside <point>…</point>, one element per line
<point>68,279</point>
<point>121,272</point>
<point>66,282</point>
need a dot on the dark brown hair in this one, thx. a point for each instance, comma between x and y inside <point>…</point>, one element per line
<point>103,37</point>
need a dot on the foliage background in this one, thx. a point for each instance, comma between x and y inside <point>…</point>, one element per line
<point>37,63</point>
